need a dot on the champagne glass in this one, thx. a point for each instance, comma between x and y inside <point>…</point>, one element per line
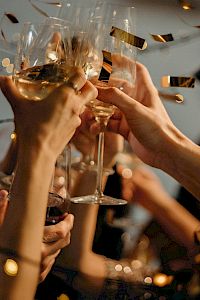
<point>79,15</point>
<point>120,73</point>
<point>41,66</point>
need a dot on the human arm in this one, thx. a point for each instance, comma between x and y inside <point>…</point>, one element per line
<point>43,128</point>
<point>3,205</point>
<point>55,237</point>
<point>144,122</point>
<point>8,163</point>
<point>145,189</point>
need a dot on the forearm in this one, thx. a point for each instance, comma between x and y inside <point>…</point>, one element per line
<point>23,226</point>
<point>178,222</point>
<point>181,160</point>
<point>78,255</point>
<point>7,165</point>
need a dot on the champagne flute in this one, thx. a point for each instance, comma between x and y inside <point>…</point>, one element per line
<point>120,73</point>
<point>79,15</point>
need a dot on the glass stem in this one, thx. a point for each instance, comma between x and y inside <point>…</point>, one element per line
<point>99,189</point>
<point>68,170</point>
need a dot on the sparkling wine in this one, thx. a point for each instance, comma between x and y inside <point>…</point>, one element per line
<point>38,82</point>
<point>101,109</point>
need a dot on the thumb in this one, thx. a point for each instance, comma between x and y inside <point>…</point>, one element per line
<point>10,91</point>
<point>118,98</point>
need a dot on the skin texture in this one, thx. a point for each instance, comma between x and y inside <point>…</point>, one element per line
<point>43,129</point>
<point>144,122</point>
<point>145,188</point>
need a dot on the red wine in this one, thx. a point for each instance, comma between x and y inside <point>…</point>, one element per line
<point>53,216</point>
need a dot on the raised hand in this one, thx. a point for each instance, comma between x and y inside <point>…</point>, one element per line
<point>57,115</point>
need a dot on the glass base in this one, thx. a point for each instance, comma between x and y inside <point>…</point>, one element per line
<point>101,200</point>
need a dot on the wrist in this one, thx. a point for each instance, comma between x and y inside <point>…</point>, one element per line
<point>183,162</point>
<point>174,149</point>
<point>36,150</point>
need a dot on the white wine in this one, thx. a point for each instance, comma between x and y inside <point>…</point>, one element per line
<point>38,82</point>
<point>101,109</point>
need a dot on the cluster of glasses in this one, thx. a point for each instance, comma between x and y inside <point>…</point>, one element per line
<point>88,36</point>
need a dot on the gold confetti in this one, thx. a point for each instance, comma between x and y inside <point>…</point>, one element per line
<point>162,38</point>
<point>178,81</point>
<point>51,3</point>
<point>106,69</point>
<point>10,267</point>
<point>39,9</point>
<point>12,18</point>
<point>129,38</point>
<point>172,97</point>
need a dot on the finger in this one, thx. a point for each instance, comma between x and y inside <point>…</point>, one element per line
<point>59,231</point>
<point>10,91</point>
<point>51,248</point>
<point>115,126</point>
<point>56,38</point>
<point>3,205</point>
<point>46,259</point>
<point>115,96</point>
<point>44,274</point>
<point>77,79</point>
<point>143,73</point>
<point>88,92</point>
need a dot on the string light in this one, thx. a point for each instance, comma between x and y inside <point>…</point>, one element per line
<point>11,267</point>
<point>13,136</point>
<point>148,280</point>
<point>185,5</point>
<point>5,62</point>
<point>118,268</point>
<point>63,297</point>
<point>127,173</point>
<point>161,279</point>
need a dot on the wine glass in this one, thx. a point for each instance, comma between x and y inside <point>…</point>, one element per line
<point>41,65</point>
<point>79,15</point>
<point>118,71</point>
